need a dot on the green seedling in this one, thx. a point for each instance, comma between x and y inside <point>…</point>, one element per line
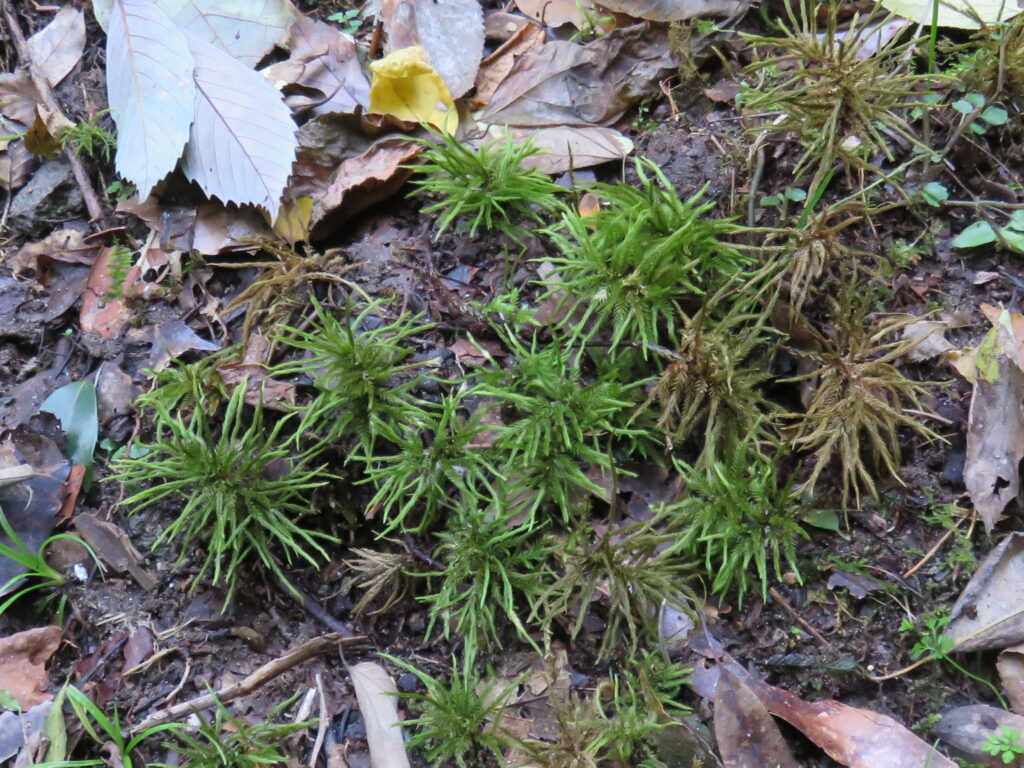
<point>90,138</point>
<point>934,644</point>
<point>359,366</point>
<point>39,575</point>
<point>109,732</point>
<point>738,519</point>
<point>628,270</point>
<point>241,489</point>
<point>1004,743</point>
<point>229,741</point>
<point>486,187</point>
<point>459,719</point>
<point>493,572</point>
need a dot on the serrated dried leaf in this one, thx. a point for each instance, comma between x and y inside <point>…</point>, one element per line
<point>242,142</point>
<point>245,29</point>
<point>151,91</point>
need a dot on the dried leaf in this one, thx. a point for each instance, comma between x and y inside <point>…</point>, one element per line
<point>451,35</point>
<point>929,340</point>
<point>23,658</point>
<point>57,47</point>
<point>995,429</point>
<point>30,506</point>
<point>990,611</point>
<point>1011,674</point>
<point>16,728</point>
<point>363,181</point>
<point>746,733</point>
<point>102,312</point>
<point>676,10</point>
<point>555,13</point>
<point>496,67</point>
<point>563,83</point>
<point>113,547</point>
<point>150,89</point>
<point>323,58</point>
<point>377,696</point>
<point>242,142</point>
<point>406,87</point>
<point>173,339</point>
<point>858,738</point>
<point>15,163</point>
<point>966,729</point>
<point>567,146</point>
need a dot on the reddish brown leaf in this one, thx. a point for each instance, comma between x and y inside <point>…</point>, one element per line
<point>23,658</point>
<point>496,67</point>
<point>746,733</point>
<point>858,738</point>
<point>362,181</point>
<point>101,312</point>
<point>1011,675</point>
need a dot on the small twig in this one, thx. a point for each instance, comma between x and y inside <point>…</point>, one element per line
<point>313,608</point>
<point>930,553</point>
<point>315,647</point>
<point>322,721</point>
<point>798,618</point>
<point>92,203</point>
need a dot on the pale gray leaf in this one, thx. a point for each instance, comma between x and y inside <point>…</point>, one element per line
<point>246,29</point>
<point>150,89</point>
<point>57,47</point>
<point>243,141</point>
<point>675,10</point>
<point>451,33</point>
<point>101,10</point>
<point>378,697</point>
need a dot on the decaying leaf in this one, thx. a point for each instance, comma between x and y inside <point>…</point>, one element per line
<point>150,89</point>
<point>995,430</point>
<point>930,340</point>
<point>746,733</point>
<point>555,13</point>
<point>23,658</point>
<point>31,506</point>
<point>451,35</point>
<point>103,308</point>
<point>113,547</point>
<point>857,738</point>
<point>363,181</point>
<point>496,67</point>
<point>242,142</point>
<point>990,611</point>
<point>566,146</point>
<point>406,87</point>
<point>966,729</point>
<point>676,10</point>
<point>1011,674</point>
<point>564,83</point>
<point>57,47</point>
<point>378,704</point>
<point>18,728</point>
<point>173,339</point>
<point>323,59</point>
